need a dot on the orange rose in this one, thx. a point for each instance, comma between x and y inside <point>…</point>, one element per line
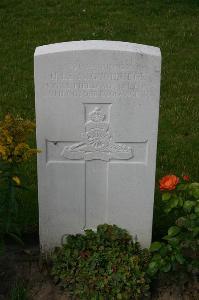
<point>168,182</point>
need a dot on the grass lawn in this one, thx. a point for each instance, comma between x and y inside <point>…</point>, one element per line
<point>170,24</point>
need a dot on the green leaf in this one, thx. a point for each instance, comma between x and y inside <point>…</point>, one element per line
<point>174,230</point>
<point>195,231</point>
<point>153,268</point>
<point>157,257</point>
<point>166,268</point>
<point>197,209</point>
<point>180,258</point>
<point>155,246</point>
<point>174,202</point>
<point>180,202</point>
<point>166,196</point>
<point>163,251</point>
<point>181,186</point>
<point>194,185</point>
<point>194,189</point>
<point>188,205</point>
<point>167,210</point>
<point>175,241</point>
<point>172,240</point>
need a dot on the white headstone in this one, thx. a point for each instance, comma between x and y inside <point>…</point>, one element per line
<point>97,105</point>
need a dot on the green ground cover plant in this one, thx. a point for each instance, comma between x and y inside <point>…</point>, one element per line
<point>106,264</point>
<point>170,25</point>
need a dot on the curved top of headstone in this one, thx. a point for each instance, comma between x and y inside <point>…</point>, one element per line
<point>97,45</point>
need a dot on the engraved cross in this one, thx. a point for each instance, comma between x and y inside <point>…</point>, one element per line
<point>97,148</point>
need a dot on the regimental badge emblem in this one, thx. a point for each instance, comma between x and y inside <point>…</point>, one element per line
<point>97,141</point>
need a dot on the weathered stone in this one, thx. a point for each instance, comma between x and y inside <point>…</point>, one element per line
<point>97,105</point>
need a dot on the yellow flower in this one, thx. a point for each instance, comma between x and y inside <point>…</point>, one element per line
<point>9,139</point>
<point>21,148</point>
<point>16,180</point>
<point>2,150</point>
<point>14,136</point>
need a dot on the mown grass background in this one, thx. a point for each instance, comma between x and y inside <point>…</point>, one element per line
<point>171,25</point>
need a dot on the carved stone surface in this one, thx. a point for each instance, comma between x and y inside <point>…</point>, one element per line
<point>97,106</point>
<point>97,141</point>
